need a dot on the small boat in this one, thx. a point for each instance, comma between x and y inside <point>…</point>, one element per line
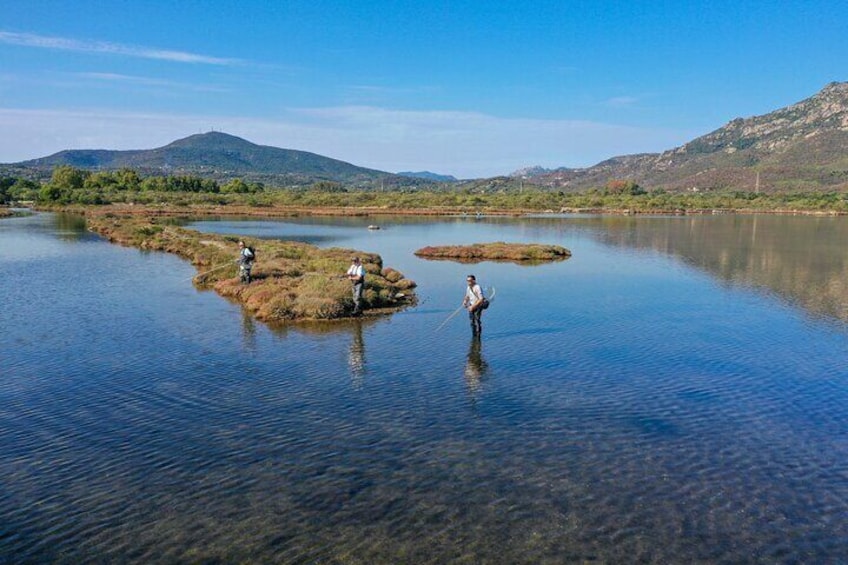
<point>373,227</point>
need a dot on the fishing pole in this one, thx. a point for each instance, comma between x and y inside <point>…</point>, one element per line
<point>461,306</point>
<point>455,312</point>
<point>218,268</point>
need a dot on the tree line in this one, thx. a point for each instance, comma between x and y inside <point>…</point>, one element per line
<point>70,185</point>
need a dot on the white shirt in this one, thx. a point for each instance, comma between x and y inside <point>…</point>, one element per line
<point>473,294</point>
<point>357,270</point>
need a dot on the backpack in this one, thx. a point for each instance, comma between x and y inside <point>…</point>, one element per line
<point>252,253</point>
<point>485,301</point>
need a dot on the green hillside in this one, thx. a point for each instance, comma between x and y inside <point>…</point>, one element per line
<point>221,156</point>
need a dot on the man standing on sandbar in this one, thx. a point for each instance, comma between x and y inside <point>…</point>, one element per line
<point>356,275</point>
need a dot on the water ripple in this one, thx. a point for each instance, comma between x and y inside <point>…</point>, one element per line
<point>618,410</point>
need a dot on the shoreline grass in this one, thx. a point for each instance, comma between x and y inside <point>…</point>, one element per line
<point>521,253</point>
<point>286,203</point>
<point>293,281</point>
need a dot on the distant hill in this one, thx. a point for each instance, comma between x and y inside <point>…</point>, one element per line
<point>429,176</point>
<point>222,156</point>
<point>800,147</point>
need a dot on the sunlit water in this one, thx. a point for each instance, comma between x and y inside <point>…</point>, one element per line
<point>673,393</point>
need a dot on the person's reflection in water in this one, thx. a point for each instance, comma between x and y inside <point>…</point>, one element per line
<point>356,356</point>
<point>475,366</point>
<point>248,330</point>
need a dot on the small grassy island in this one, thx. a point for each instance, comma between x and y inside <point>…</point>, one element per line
<point>497,251</point>
<point>292,281</point>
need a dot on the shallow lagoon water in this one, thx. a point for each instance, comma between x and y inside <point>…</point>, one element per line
<point>673,393</point>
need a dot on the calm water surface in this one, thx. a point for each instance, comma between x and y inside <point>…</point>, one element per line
<point>674,393</point>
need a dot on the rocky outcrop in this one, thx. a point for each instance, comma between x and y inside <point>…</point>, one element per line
<point>802,146</point>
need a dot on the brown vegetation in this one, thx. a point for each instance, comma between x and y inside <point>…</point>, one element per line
<point>272,210</point>
<point>292,281</point>
<point>498,251</point>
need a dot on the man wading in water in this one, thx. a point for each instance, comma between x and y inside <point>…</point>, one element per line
<point>475,303</point>
<point>356,275</point>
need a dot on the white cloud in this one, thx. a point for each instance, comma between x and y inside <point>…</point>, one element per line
<point>65,44</point>
<point>116,78</point>
<point>622,101</point>
<point>464,144</point>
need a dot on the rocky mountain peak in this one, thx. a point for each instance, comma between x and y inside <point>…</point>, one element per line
<point>804,145</point>
<point>839,89</point>
<point>825,111</point>
<point>531,171</point>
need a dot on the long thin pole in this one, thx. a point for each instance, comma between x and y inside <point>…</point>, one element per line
<point>218,268</point>
<point>461,306</point>
<point>455,312</point>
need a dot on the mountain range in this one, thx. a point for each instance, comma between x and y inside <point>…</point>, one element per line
<point>801,147</point>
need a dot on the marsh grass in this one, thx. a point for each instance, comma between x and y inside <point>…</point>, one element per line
<point>525,253</point>
<point>292,281</point>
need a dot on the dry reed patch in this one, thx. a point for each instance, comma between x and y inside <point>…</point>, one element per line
<point>498,251</point>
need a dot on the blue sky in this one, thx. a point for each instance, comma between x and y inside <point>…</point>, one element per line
<point>468,88</point>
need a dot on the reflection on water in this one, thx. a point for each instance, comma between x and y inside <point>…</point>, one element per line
<point>248,329</point>
<point>801,259</point>
<point>356,355</point>
<point>70,227</point>
<point>475,366</point>
<point>621,407</point>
